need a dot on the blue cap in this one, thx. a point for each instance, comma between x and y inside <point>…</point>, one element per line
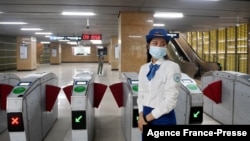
<point>157,32</point>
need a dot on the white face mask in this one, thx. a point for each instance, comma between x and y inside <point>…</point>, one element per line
<point>157,52</point>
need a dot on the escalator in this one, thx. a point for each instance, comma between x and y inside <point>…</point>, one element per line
<point>190,63</point>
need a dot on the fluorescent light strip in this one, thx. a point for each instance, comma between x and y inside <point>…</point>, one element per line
<point>168,15</point>
<point>96,41</point>
<point>13,23</point>
<point>31,29</point>
<point>72,43</point>
<point>159,24</point>
<point>79,13</point>
<point>44,42</point>
<point>43,33</point>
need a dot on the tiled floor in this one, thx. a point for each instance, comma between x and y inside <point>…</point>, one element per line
<point>107,115</point>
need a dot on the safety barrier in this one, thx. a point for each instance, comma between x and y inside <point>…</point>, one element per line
<point>227,97</point>
<point>32,107</point>
<point>7,82</point>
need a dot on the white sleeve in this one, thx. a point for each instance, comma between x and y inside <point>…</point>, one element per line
<point>171,92</point>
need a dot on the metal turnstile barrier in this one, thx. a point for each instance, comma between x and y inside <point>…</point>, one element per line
<point>125,94</point>
<point>32,107</point>
<point>130,109</point>
<point>7,82</point>
<point>227,96</point>
<point>189,108</point>
<point>84,95</point>
<point>242,100</point>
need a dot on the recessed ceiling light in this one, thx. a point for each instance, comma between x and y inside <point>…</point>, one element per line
<point>45,42</point>
<point>96,41</point>
<point>43,33</point>
<point>159,24</point>
<point>13,23</point>
<point>168,15</point>
<point>79,13</point>
<point>31,29</point>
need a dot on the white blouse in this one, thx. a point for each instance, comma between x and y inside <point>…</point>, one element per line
<point>162,91</point>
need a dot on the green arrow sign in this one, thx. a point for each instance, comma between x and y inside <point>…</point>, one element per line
<point>195,115</point>
<point>77,120</point>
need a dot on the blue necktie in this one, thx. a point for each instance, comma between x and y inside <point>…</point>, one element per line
<point>153,69</point>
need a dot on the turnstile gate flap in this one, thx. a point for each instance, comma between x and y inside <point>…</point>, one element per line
<point>213,91</point>
<point>68,92</point>
<point>51,96</point>
<point>99,91</point>
<point>5,90</point>
<point>117,91</point>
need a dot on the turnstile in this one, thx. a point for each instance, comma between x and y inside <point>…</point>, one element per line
<point>189,108</point>
<point>227,101</point>
<point>129,110</point>
<point>32,107</point>
<point>84,95</point>
<point>7,82</point>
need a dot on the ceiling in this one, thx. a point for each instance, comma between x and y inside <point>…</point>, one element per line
<point>199,15</point>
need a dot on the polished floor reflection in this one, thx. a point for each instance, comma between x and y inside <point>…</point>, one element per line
<point>107,115</point>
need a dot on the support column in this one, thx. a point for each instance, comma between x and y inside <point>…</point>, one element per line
<point>26,53</point>
<point>55,53</point>
<point>133,26</point>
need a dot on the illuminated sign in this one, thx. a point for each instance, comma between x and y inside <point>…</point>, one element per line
<point>196,115</point>
<point>78,119</point>
<point>24,83</point>
<point>134,81</point>
<point>173,35</point>
<point>186,81</point>
<point>71,38</point>
<point>15,121</point>
<point>91,36</point>
<point>81,83</point>
<point>135,118</point>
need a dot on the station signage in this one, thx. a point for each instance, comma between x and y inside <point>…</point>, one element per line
<point>15,121</point>
<point>173,35</point>
<point>91,36</point>
<point>70,38</point>
<point>78,119</point>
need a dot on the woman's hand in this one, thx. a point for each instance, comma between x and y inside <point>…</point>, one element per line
<point>141,122</point>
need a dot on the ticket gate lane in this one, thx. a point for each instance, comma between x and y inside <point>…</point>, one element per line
<point>27,104</point>
<point>84,95</point>
<point>7,83</point>
<point>189,108</point>
<point>125,94</point>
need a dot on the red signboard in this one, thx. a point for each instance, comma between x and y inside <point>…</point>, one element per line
<point>91,36</point>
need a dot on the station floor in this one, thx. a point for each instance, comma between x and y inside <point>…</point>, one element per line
<point>107,115</point>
